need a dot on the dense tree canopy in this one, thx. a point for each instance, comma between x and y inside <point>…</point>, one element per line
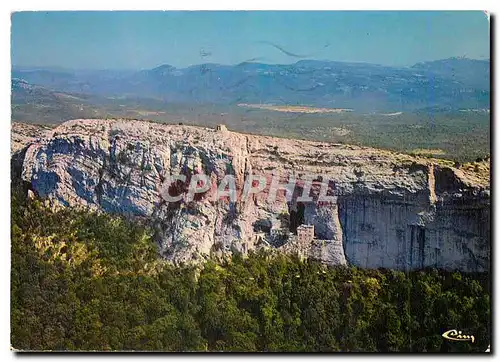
<point>84,281</point>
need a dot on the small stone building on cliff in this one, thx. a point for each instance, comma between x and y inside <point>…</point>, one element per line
<point>221,128</point>
<point>305,233</point>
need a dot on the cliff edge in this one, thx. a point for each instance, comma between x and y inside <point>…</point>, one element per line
<point>388,209</point>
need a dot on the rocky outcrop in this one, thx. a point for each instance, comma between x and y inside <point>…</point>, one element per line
<point>23,134</point>
<point>389,210</point>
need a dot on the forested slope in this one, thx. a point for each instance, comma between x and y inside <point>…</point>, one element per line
<point>83,281</point>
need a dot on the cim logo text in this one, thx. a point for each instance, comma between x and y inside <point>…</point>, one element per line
<point>454,335</point>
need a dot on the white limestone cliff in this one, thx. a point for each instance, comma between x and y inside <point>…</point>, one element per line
<point>391,210</point>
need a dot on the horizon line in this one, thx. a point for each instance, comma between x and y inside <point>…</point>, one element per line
<point>48,67</point>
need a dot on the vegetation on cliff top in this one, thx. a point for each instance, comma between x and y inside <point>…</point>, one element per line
<point>83,281</point>
<point>457,136</point>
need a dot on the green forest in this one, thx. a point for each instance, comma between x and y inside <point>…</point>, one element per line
<point>89,281</point>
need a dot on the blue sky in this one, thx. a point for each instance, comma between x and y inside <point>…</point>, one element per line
<point>140,40</point>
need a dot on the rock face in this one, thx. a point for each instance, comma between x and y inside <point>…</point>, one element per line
<point>23,134</point>
<point>389,210</point>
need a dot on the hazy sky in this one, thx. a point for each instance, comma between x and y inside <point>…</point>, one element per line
<point>136,40</point>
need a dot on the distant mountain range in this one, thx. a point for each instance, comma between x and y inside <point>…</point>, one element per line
<point>448,84</point>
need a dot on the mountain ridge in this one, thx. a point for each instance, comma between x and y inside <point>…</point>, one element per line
<point>70,69</point>
<point>388,210</point>
<point>454,83</point>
